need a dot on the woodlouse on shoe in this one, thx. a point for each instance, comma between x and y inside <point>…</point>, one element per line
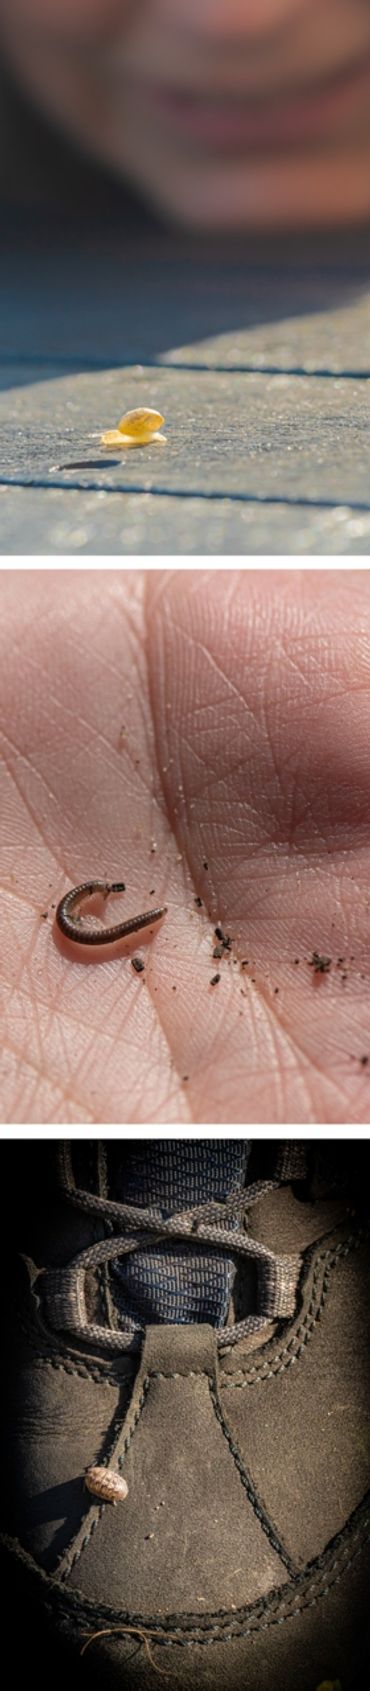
<point>106,1484</point>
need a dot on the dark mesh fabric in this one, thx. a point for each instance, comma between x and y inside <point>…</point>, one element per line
<point>181,1282</point>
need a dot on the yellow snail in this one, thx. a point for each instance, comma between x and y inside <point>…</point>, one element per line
<point>137,428</point>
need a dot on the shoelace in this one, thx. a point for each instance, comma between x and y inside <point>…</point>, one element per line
<point>213,1223</point>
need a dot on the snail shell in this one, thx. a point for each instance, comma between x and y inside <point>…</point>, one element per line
<point>107,1484</point>
<point>142,420</point>
<point>137,428</point>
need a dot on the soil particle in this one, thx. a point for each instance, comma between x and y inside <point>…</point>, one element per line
<point>225,940</point>
<point>319,963</point>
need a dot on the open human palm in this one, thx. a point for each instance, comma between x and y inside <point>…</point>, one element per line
<point>202,735</point>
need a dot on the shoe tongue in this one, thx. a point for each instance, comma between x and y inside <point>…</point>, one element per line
<point>175,1281</point>
<point>174,1174</point>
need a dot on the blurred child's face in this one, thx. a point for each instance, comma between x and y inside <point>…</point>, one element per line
<point>227,114</point>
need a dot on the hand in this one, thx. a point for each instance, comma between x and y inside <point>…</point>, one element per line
<point>201,735</point>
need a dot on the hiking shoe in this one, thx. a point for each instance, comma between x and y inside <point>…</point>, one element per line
<point>188,1445</point>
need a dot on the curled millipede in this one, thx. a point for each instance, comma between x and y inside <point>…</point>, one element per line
<point>137,428</point>
<point>106,1484</point>
<point>72,924</point>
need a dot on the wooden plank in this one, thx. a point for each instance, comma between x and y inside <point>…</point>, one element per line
<point>276,439</point>
<point>32,521</point>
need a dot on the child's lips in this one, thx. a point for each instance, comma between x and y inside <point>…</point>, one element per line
<point>229,123</point>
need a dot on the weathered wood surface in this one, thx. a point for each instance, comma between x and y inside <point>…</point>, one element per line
<point>261,368</point>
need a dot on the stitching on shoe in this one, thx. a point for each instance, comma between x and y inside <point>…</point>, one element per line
<point>85,1373</point>
<point>258,1507</point>
<point>76,1608</point>
<point>104,1373</point>
<point>154,1374</point>
<point>97,1517</point>
<point>180,1374</point>
<point>98,1370</point>
<point>291,1351</point>
<point>328,1257</point>
<point>220,1636</point>
<point>256,1373</point>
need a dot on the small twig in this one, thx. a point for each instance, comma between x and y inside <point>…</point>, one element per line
<point>138,1632</point>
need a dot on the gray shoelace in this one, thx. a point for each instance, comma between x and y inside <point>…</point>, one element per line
<point>212,1223</point>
